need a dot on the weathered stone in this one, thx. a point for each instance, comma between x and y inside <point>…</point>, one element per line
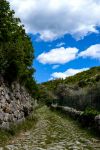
<point>15,104</point>
<point>1,117</point>
<point>7,96</point>
<point>7,109</point>
<point>6,117</point>
<point>18,95</point>
<point>97,119</point>
<point>2,99</point>
<point>2,92</point>
<point>5,125</point>
<point>8,101</point>
<point>10,119</point>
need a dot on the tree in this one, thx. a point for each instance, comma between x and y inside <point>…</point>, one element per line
<point>16,50</point>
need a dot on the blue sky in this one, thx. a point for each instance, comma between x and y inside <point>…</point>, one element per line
<point>44,71</point>
<point>65,35</point>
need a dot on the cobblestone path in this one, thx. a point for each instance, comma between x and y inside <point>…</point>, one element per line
<point>54,132</point>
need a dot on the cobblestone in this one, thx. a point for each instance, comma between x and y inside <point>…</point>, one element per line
<point>53,132</point>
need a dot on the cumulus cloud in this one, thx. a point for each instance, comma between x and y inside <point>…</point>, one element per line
<point>58,56</point>
<point>55,18</point>
<point>63,55</point>
<point>67,73</point>
<point>93,52</point>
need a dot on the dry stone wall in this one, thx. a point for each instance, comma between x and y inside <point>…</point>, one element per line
<point>85,120</point>
<point>15,104</point>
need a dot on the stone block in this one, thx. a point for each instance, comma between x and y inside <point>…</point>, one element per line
<point>15,104</point>
<point>5,125</point>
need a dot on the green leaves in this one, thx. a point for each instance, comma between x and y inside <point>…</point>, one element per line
<point>16,50</point>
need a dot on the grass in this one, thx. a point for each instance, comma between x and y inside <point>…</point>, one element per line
<point>6,135</point>
<point>58,127</point>
<point>92,132</point>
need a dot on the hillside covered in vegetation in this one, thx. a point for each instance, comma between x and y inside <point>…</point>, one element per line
<point>81,91</point>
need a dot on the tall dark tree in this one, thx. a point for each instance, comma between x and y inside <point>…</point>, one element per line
<point>16,50</point>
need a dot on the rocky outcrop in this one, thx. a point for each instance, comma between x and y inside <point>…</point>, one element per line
<point>15,104</point>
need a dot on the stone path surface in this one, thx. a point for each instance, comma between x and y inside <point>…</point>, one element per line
<point>53,132</point>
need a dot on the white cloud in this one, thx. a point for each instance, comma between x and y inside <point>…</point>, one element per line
<point>58,56</point>
<point>63,55</point>
<point>54,18</point>
<point>93,52</point>
<point>67,73</point>
<point>55,66</point>
<point>60,44</point>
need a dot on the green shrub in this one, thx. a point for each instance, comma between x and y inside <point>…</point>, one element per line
<point>91,112</point>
